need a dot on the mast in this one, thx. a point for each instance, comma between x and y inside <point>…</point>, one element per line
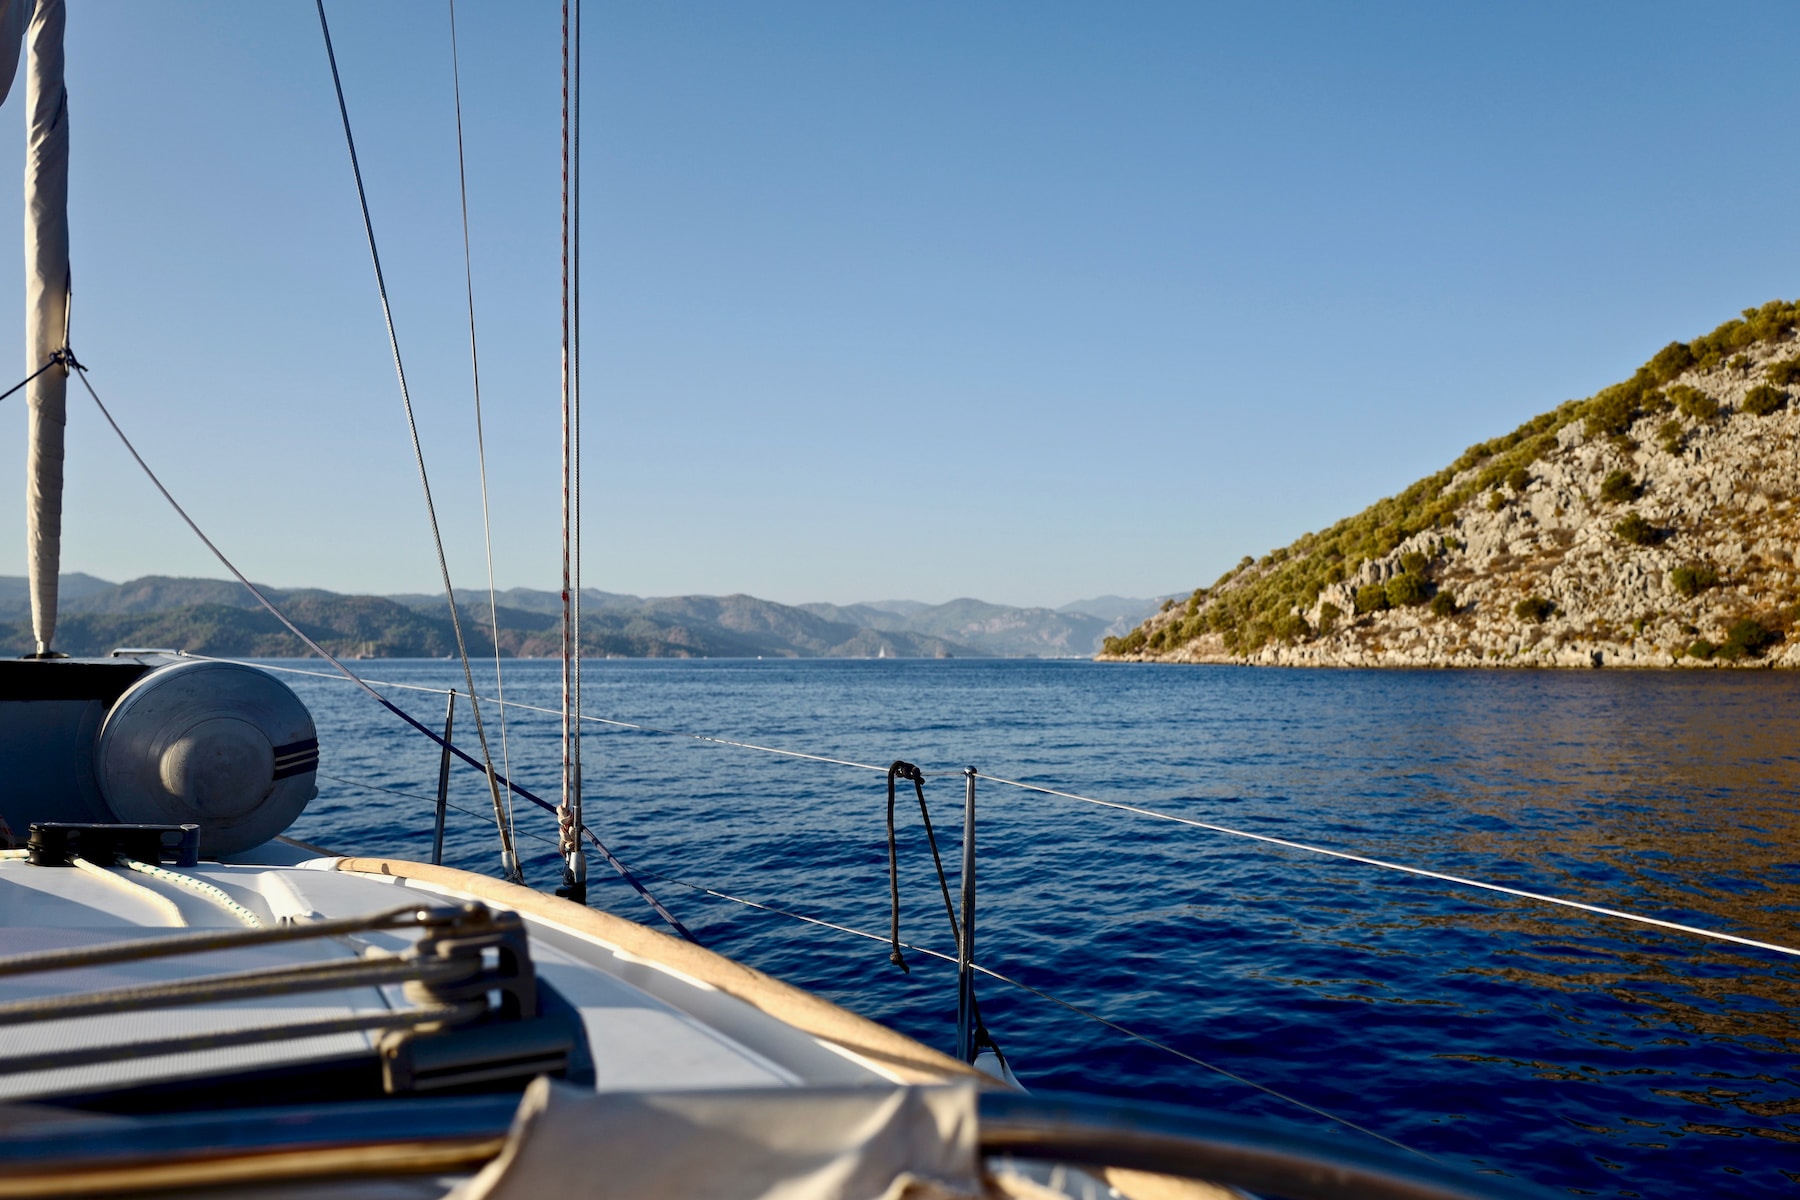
<point>46,307</point>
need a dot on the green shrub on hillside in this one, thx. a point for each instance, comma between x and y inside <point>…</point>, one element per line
<point>1637,531</point>
<point>1414,563</point>
<point>1496,501</point>
<point>1702,649</point>
<point>1443,605</point>
<point>1619,488</point>
<point>1371,597</point>
<point>1292,628</point>
<point>1407,589</point>
<point>1785,373</point>
<point>1762,400</point>
<point>1749,638</point>
<point>1671,436</point>
<point>1694,402</point>
<point>1691,581</point>
<point>1535,609</point>
<point>1518,479</point>
<point>1328,616</point>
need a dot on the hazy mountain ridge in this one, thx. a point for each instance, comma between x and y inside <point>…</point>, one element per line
<point>215,616</point>
<point>1653,524</point>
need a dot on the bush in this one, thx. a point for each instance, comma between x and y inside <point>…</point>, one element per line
<point>1783,373</point>
<point>1619,487</point>
<point>1637,531</point>
<point>1371,597</point>
<point>1292,628</point>
<point>1534,609</point>
<point>1403,591</point>
<point>1414,563</point>
<point>1746,638</point>
<point>1691,581</point>
<point>1518,479</point>
<point>1328,616</point>
<point>1671,437</point>
<point>1739,362</point>
<point>1496,500</point>
<point>1702,649</point>
<point>1694,402</point>
<point>1443,605</point>
<point>1762,400</point>
<point>1131,643</point>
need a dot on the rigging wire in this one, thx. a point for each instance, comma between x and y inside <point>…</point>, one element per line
<point>508,858</point>
<point>346,672</point>
<point>54,360</point>
<point>568,815</point>
<point>575,410</point>
<point>1443,877</point>
<point>487,530</point>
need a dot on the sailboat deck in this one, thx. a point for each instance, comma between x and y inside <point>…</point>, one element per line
<point>647,1026</point>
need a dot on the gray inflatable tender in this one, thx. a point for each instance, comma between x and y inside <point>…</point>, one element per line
<point>225,746</point>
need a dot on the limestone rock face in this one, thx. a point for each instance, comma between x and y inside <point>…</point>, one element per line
<point>1714,548</point>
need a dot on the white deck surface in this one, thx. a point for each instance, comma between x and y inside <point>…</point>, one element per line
<point>647,1027</point>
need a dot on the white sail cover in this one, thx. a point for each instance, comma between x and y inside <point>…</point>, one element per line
<point>845,1143</point>
<point>46,302</point>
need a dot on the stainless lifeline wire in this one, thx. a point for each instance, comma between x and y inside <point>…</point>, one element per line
<point>1138,810</point>
<point>487,529</point>
<point>508,858</point>
<point>930,953</point>
<point>1074,1008</point>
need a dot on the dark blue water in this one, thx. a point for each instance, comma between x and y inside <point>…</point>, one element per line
<point>1572,1051</point>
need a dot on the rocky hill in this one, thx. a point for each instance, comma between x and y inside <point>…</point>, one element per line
<point>1652,525</point>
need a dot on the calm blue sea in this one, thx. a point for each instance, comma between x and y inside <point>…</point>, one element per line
<point>1576,1052</point>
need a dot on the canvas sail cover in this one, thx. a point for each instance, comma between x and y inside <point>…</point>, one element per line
<point>46,292</point>
<point>914,1143</point>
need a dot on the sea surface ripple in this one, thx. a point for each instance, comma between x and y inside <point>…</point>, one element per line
<point>1577,1052</point>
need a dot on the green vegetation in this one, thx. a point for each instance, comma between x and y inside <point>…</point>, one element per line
<point>1671,435</point>
<point>1328,616</point>
<point>1371,597</point>
<point>1619,488</point>
<point>1785,373</point>
<point>1292,628</point>
<point>1639,532</point>
<point>1249,604</point>
<point>1535,609</point>
<point>1404,591</point>
<point>1414,563</point>
<point>1691,581</point>
<point>1518,479</point>
<point>1443,605</point>
<point>1747,638</point>
<point>1762,400</point>
<point>1693,402</point>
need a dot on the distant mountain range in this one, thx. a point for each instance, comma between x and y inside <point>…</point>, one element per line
<point>216,616</point>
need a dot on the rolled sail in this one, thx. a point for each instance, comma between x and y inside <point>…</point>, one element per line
<point>46,305</point>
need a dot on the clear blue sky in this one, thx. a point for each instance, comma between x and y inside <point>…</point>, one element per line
<point>1027,301</point>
